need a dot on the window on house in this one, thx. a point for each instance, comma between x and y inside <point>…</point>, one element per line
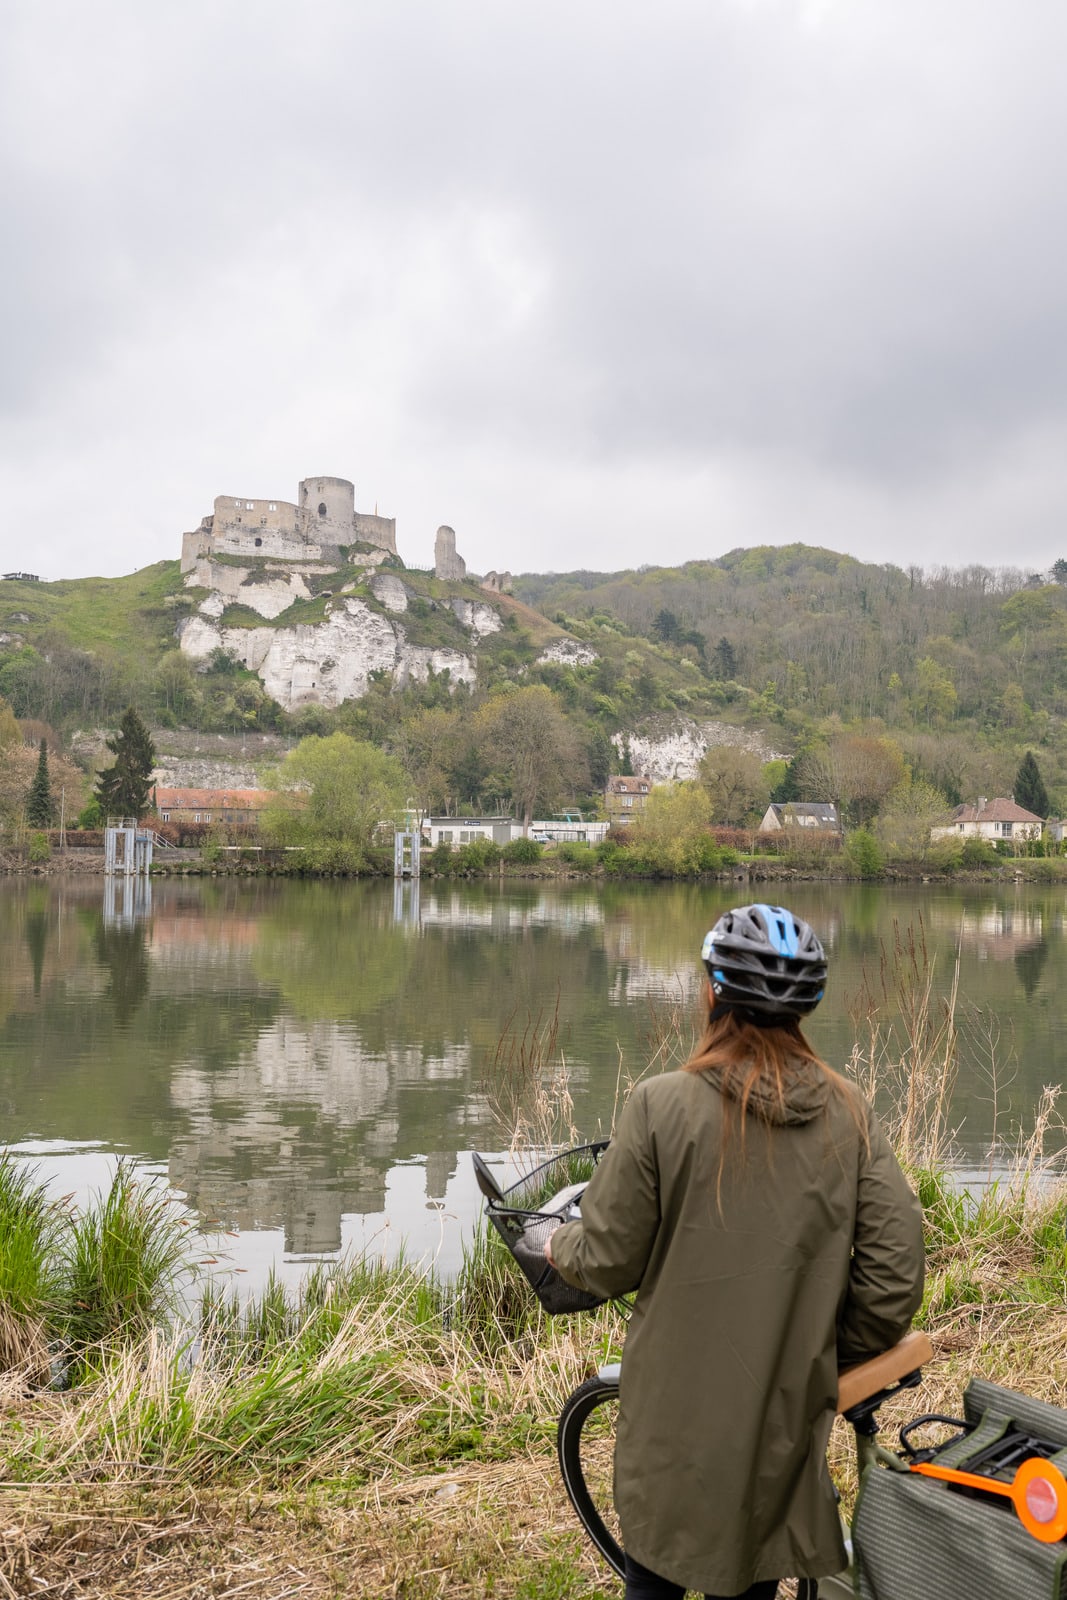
<point>250,505</point>
<point>164,816</point>
<point>627,799</point>
<point>322,508</point>
<point>273,506</point>
<point>258,543</point>
<point>446,835</point>
<point>197,817</point>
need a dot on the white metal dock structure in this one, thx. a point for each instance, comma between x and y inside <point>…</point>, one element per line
<point>127,847</point>
<point>406,844</point>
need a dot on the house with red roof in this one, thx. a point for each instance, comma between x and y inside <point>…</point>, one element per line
<point>210,805</point>
<point>990,819</point>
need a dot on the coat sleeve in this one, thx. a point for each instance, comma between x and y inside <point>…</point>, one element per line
<point>885,1280</point>
<point>607,1251</point>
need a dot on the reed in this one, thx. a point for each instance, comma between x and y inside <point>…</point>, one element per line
<point>31,1227</point>
<point>906,1057</point>
<point>125,1261</point>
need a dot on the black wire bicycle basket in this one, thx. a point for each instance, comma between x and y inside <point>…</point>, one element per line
<point>529,1211</point>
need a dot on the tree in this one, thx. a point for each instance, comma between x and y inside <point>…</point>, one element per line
<point>9,728</point>
<point>335,790</point>
<point>1059,571</point>
<point>735,781</point>
<point>431,744</point>
<point>724,660</point>
<point>672,830</point>
<point>1029,788</point>
<point>536,753</point>
<point>124,788</point>
<point>856,772</point>
<point>665,627</point>
<point>903,828</point>
<point>39,807</point>
<point>786,787</point>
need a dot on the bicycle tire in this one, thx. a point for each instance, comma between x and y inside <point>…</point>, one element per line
<point>582,1405</point>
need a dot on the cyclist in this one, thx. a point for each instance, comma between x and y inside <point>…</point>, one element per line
<point>753,1201</point>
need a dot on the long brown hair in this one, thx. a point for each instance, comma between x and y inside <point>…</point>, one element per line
<point>742,1056</point>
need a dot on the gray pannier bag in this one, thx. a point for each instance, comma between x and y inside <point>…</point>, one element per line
<point>915,1537</point>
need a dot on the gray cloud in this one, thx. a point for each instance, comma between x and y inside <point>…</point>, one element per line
<point>596,285</point>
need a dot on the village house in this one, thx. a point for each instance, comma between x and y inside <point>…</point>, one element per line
<point>210,805</point>
<point>818,814</point>
<point>624,798</point>
<point>456,831</point>
<point>990,819</point>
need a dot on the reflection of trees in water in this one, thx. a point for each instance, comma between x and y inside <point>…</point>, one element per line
<point>124,955</point>
<point>380,1038</point>
<point>36,931</point>
<point>1030,964</point>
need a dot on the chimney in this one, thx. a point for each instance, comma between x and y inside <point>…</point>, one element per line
<point>982,802</point>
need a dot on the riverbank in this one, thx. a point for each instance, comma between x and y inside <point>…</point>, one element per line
<point>194,863</point>
<point>385,1436</point>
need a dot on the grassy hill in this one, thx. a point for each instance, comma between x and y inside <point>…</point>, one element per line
<point>963,670</point>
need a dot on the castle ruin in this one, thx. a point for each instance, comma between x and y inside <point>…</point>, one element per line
<point>447,563</point>
<point>323,522</point>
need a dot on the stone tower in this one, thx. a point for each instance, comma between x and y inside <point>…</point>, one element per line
<point>446,563</point>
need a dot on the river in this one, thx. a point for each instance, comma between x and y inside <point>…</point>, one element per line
<point>308,1064</point>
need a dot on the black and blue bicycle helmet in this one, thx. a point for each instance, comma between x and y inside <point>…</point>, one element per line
<point>765,961</point>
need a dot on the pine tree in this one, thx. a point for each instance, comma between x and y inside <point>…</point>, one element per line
<point>1030,791</point>
<point>39,805</point>
<point>123,789</point>
<point>724,658</point>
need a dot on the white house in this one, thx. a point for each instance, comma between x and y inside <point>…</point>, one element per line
<point>990,819</point>
<point>464,830</point>
<point>818,814</point>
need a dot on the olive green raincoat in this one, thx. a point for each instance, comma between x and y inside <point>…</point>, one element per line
<point>756,1282</point>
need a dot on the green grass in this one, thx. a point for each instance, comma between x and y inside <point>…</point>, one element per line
<point>123,617</point>
<point>30,1277</point>
<point>124,1262</point>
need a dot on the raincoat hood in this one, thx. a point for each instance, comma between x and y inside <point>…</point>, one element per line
<point>804,1094</point>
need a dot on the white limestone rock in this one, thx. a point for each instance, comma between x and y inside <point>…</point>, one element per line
<point>272,591</point>
<point>479,620</point>
<point>327,663</point>
<point>568,653</point>
<point>674,752</point>
<point>390,591</point>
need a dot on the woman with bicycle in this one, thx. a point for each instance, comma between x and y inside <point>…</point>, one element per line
<point>753,1202</point>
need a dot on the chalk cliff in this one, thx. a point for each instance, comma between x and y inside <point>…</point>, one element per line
<point>325,663</point>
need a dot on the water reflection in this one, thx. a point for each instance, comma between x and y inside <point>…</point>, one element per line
<point>127,899</point>
<point>310,1061</point>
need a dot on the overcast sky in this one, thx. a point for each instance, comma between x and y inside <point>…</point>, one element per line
<point>599,284</point>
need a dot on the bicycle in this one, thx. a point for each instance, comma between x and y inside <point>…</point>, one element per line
<point>989,1459</point>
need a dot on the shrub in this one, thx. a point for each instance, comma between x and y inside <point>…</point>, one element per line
<point>477,856</point>
<point>579,855</point>
<point>523,852</point>
<point>441,859</point>
<point>946,855</point>
<point>40,849</point>
<point>977,853</point>
<point>863,854</point>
